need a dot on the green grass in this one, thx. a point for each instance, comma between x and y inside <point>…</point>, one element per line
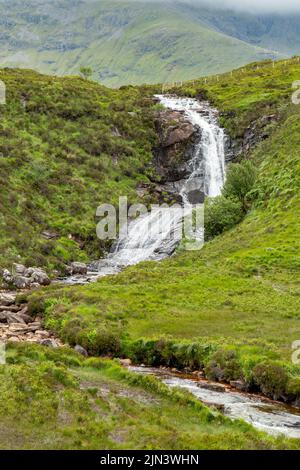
<point>54,399</point>
<point>67,145</point>
<point>241,289</point>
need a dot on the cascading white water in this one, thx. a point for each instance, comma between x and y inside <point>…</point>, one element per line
<point>209,156</point>
<point>155,235</point>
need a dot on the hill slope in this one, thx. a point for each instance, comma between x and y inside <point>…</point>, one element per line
<point>240,292</point>
<point>66,146</point>
<point>231,309</point>
<point>130,41</point>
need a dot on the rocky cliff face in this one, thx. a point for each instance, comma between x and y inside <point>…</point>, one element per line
<point>177,138</point>
<point>259,129</point>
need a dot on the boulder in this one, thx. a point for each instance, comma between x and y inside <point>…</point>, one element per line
<point>49,342</point>
<point>198,373</point>
<point>78,268</point>
<point>7,276</point>
<point>19,269</point>
<point>196,197</point>
<point>23,278</point>
<point>21,282</point>
<point>7,299</point>
<point>81,350</point>
<point>14,339</point>
<point>38,276</point>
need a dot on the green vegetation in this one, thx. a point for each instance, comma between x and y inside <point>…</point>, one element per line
<point>86,72</point>
<point>221,214</point>
<point>55,399</point>
<point>136,42</point>
<point>239,182</point>
<point>224,212</point>
<point>231,309</point>
<point>240,292</point>
<point>66,146</point>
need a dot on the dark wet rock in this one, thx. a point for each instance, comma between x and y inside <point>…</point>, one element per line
<point>81,350</point>
<point>78,268</point>
<point>256,132</point>
<point>196,197</point>
<point>178,134</point>
<point>177,138</point>
<point>239,385</point>
<point>214,387</point>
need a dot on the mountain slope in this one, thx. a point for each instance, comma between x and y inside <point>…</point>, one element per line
<point>123,41</point>
<point>278,32</point>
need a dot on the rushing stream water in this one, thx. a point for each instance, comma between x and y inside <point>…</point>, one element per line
<point>150,237</point>
<point>266,415</point>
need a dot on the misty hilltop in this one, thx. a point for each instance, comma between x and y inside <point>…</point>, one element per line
<point>139,41</point>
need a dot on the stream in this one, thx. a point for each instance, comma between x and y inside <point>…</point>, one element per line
<point>264,414</point>
<point>149,237</point>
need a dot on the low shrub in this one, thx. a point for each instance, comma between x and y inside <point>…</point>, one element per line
<point>239,182</point>
<point>271,378</point>
<point>224,366</point>
<point>221,214</point>
<point>169,353</point>
<point>293,389</point>
<point>100,341</point>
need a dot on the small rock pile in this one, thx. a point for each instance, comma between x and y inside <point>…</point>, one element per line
<point>23,278</point>
<point>17,325</point>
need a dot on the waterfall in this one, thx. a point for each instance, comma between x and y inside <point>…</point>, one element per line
<point>156,234</point>
<point>209,155</point>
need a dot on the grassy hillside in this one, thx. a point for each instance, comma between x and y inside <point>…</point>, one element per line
<point>241,291</point>
<point>125,42</point>
<point>66,146</point>
<point>57,400</point>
